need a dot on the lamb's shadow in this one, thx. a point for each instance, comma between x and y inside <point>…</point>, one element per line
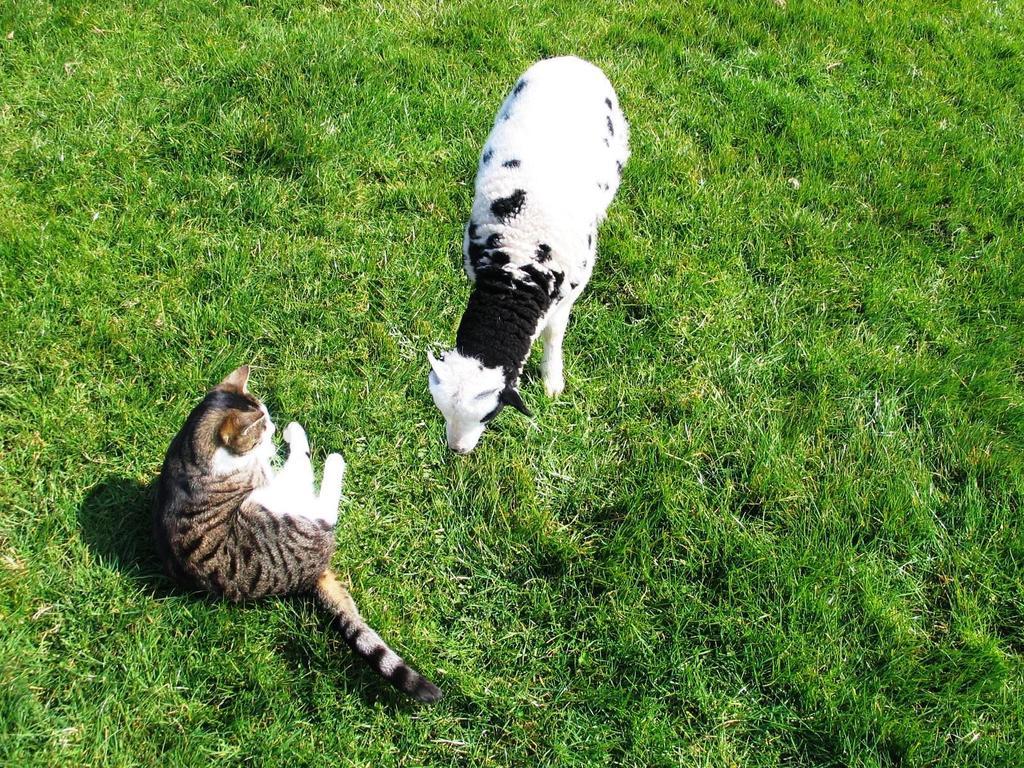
<point>116,524</point>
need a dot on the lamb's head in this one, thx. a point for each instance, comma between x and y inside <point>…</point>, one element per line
<point>469,394</point>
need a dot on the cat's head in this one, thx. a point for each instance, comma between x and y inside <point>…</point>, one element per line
<point>244,422</point>
<point>231,428</point>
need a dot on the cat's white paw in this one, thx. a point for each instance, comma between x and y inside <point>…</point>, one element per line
<point>335,465</point>
<point>330,488</point>
<point>296,438</point>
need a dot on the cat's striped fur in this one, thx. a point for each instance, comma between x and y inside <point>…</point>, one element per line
<point>227,522</point>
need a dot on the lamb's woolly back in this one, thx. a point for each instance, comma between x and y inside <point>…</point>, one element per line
<point>552,162</point>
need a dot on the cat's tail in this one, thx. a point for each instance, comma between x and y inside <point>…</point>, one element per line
<point>367,643</point>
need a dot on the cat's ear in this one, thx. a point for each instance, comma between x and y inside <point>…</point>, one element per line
<point>241,431</point>
<point>236,381</point>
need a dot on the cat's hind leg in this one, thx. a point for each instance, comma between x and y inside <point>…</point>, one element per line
<point>330,488</point>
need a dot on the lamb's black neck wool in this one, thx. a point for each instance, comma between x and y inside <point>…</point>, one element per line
<point>498,324</point>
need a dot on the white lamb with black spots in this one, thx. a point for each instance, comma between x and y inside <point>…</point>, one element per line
<point>547,173</point>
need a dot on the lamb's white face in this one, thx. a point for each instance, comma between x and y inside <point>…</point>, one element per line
<point>469,395</point>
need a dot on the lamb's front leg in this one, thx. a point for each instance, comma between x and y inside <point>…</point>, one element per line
<point>551,366</point>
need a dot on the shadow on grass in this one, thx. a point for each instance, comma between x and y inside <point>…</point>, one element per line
<point>116,524</point>
<point>305,655</point>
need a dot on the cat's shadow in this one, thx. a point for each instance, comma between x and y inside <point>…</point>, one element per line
<point>115,521</point>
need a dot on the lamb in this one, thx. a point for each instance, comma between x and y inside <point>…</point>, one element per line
<point>546,176</point>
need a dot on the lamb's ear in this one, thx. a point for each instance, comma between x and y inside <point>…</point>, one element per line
<point>432,360</point>
<point>510,396</point>
<point>236,381</point>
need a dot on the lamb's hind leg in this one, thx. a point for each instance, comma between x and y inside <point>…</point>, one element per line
<point>551,368</point>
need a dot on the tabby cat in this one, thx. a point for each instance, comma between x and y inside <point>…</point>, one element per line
<point>227,522</point>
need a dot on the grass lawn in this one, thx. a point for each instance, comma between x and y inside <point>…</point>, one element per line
<point>776,516</point>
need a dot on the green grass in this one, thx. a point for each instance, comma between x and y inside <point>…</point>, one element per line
<point>776,517</point>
